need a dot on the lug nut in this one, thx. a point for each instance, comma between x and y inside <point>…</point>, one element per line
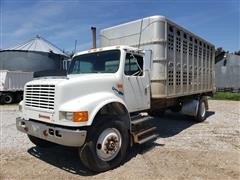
<point>45,133</point>
<point>26,129</point>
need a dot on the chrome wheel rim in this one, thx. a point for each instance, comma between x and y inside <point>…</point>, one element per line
<point>8,99</point>
<point>202,109</point>
<point>108,144</point>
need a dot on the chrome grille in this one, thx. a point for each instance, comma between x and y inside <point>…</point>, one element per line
<point>40,96</point>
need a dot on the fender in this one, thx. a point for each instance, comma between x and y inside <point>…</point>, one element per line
<point>91,103</point>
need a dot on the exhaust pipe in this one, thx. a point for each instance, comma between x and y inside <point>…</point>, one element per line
<point>94,37</point>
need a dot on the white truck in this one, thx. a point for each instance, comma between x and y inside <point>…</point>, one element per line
<point>12,85</point>
<point>148,65</point>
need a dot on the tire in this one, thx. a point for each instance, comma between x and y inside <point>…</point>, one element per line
<point>19,97</point>
<point>7,98</point>
<point>40,142</point>
<point>202,110</point>
<point>176,108</point>
<point>94,155</point>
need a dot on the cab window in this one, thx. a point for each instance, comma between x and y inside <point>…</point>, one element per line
<point>97,62</point>
<point>133,65</point>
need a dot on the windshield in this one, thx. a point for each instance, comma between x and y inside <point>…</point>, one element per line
<point>98,62</point>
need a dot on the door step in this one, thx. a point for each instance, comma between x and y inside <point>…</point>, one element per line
<point>140,119</point>
<point>144,135</point>
<point>149,138</point>
<point>142,129</point>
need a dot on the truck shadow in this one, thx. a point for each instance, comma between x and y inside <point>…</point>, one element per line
<point>67,158</point>
<point>173,123</point>
<point>167,126</point>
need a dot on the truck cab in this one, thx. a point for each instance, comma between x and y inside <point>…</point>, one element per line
<point>129,77</point>
<point>91,105</point>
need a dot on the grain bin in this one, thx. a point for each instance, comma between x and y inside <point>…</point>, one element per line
<point>35,55</point>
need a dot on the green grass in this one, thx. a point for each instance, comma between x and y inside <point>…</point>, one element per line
<point>226,96</point>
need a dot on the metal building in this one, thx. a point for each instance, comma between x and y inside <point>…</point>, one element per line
<point>35,55</point>
<point>228,73</point>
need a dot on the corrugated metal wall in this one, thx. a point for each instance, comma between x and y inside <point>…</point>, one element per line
<point>228,73</point>
<point>29,61</point>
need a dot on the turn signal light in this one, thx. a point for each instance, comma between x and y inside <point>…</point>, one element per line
<point>119,85</point>
<point>80,116</point>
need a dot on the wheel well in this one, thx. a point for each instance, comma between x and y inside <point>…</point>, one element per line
<point>116,110</point>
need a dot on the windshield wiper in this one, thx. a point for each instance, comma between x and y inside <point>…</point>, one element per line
<point>95,72</point>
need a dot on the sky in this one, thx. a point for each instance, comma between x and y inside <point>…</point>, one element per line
<point>64,21</point>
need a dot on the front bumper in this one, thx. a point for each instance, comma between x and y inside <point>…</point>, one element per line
<point>58,135</point>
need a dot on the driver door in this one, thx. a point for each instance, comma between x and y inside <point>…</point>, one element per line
<point>136,83</point>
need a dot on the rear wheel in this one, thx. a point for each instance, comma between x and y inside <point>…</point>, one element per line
<point>7,98</point>
<point>176,108</point>
<point>40,142</point>
<point>106,146</point>
<point>202,109</point>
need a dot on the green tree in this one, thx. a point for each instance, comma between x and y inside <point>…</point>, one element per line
<point>237,52</point>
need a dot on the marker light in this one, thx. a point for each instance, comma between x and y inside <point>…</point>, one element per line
<point>119,85</point>
<point>77,116</point>
<point>80,116</point>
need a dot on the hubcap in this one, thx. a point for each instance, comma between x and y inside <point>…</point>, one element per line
<point>108,144</point>
<point>8,99</point>
<point>202,109</point>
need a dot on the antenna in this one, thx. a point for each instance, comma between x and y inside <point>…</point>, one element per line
<point>140,34</point>
<point>75,47</point>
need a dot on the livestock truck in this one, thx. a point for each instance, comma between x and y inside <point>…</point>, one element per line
<point>103,105</point>
<point>12,85</point>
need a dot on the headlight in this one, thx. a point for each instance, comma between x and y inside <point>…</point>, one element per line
<point>76,116</point>
<point>68,115</point>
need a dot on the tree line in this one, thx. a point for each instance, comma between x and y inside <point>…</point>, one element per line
<point>220,52</point>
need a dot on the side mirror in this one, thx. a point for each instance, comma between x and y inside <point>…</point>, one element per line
<point>66,64</point>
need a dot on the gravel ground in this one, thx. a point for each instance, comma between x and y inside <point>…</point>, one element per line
<point>183,150</point>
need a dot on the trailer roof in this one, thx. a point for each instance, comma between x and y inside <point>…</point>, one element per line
<point>159,18</point>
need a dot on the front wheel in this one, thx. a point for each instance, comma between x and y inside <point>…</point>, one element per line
<point>106,146</point>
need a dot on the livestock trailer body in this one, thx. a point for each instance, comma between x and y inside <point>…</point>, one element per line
<point>183,63</point>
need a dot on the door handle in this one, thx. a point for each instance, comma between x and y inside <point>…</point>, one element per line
<point>146,89</point>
